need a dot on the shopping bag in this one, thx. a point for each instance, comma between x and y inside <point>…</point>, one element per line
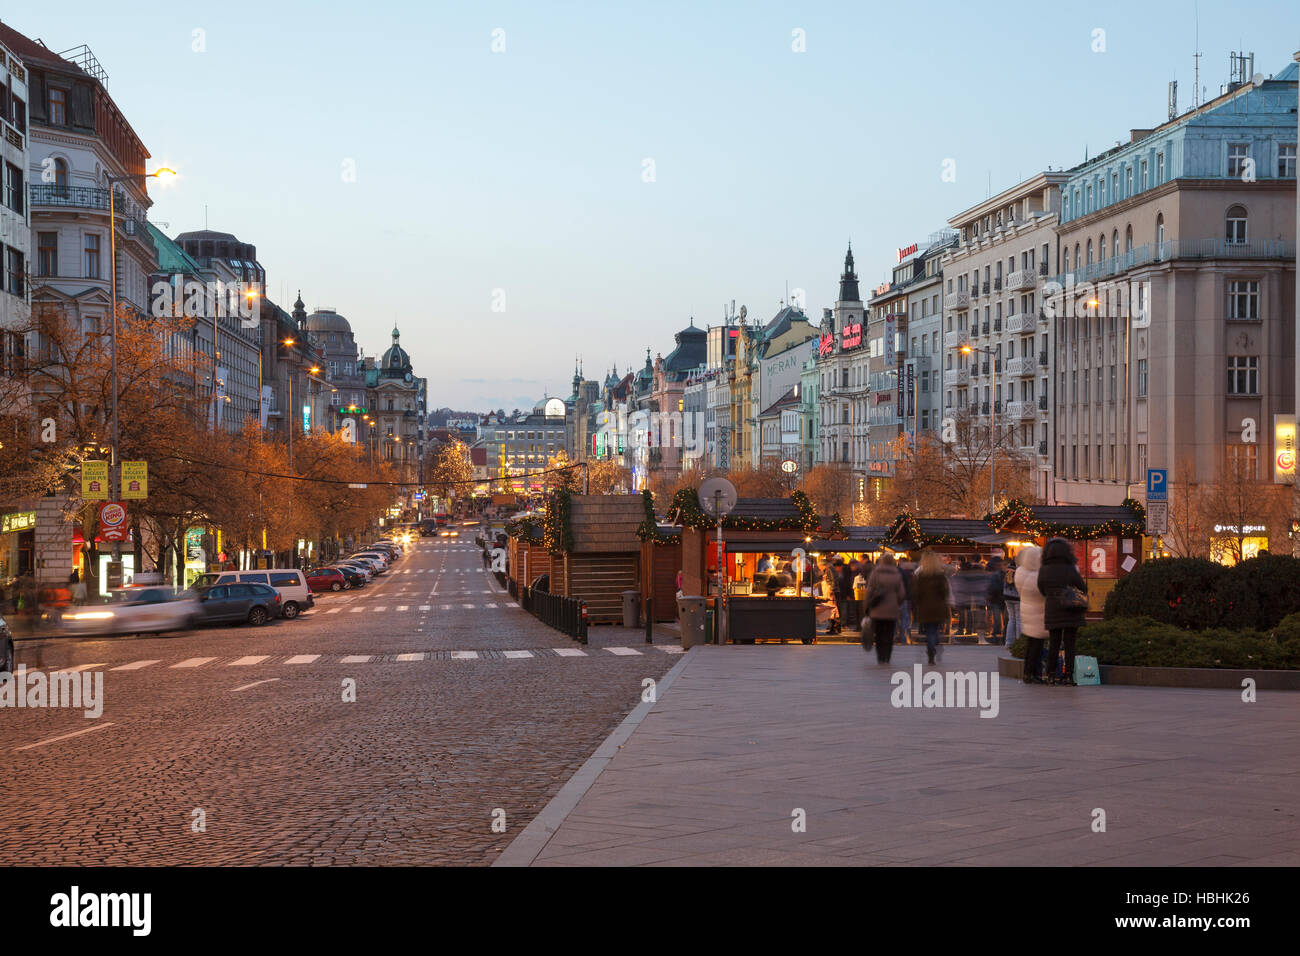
<point>868,631</point>
<point>1086,670</point>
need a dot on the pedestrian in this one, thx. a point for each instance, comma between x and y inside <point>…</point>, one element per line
<point>907,568</point>
<point>932,597</point>
<point>1011,595</point>
<point>844,593</point>
<point>969,587</point>
<point>884,596</point>
<point>764,564</point>
<point>1031,610</point>
<point>1061,584</point>
<point>995,597</point>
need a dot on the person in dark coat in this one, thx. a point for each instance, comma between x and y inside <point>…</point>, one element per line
<point>885,595</point>
<point>1059,571</point>
<point>931,598</point>
<point>844,592</point>
<point>997,602</point>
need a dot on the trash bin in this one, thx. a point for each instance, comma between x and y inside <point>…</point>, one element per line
<point>631,608</point>
<point>691,613</point>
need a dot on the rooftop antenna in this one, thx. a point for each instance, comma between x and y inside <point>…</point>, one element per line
<point>1173,98</point>
<point>1196,59</point>
<point>205,217</point>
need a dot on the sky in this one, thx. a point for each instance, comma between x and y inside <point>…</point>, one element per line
<point>612,171</point>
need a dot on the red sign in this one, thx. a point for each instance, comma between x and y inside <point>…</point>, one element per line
<point>112,521</point>
<point>904,253</point>
<point>826,345</point>
<point>851,337</point>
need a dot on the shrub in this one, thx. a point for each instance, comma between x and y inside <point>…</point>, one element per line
<point>1144,642</point>
<point>1260,592</point>
<point>1183,592</point>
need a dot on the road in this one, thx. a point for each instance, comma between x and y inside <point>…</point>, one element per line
<point>465,706</point>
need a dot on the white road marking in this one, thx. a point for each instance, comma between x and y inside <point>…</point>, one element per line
<point>410,657</point>
<point>334,610</point>
<point>468,606</point>
<point>248,661</point>
<point>622,651</point>
<point>255,683</point>
<point>75,733</point>
<point>357,610</point>
<point>569,652</point>
<point>135,665</point>
<point>672,649</point>
<point>517,655</point>
<point>382,607</point>
<point>73,670</point>
<point>303,659</point>
<point>426,607</point>
<point>403,607</point>
<point>356,659</point>
<point>194,662</point>
<point>464,655</point>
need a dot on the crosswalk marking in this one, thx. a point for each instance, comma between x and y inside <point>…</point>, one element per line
<point>517,655</point>
<point>303,659</point>
<point>672,649</point>
<point>464,655</point>
<point>194,662</point>
<point>248,661</point>
<point>425,607</point>
<point>356,659</point>
<point>402,607</point>
<point>382,607</point>
<point>357,610</point>
<point>334,610</point>
<point>622,651</point>
<point>135,665</point>
<point>73,670</point>
<point>410,657</point>
<point>569,652</point>
<point>469,606</point>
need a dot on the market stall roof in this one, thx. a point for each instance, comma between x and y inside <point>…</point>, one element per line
<point>919,532</point>
<point>1071,521</point>
<point>765,509</point>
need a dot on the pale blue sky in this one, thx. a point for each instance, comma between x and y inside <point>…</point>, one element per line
<point>522,170</point>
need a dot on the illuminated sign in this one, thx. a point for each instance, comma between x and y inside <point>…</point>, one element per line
<point>826,345</point>
<point>306,418</point>
<point>354,410</point>
<point>907,251</point>
<point>1284,449</point>
<point>94,480</point>
<point>851,337</point>
<point>17,521</point>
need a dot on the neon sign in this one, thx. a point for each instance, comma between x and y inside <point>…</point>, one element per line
<point>826,345</point>
<point>851,337</point>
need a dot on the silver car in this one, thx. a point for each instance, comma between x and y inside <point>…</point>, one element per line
<point>146,610</point>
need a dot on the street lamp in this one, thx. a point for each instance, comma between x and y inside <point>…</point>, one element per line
<point>163,173</point>
<point>967,349</point>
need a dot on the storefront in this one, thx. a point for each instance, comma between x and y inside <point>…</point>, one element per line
<point>1227,543</point>
<point>17,544</point>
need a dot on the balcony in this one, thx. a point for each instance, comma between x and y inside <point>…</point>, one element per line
<point>997,325</point>
<point>984,368</point>
<point>984,408</point>
<point>953,339</point>
<point>1023,323</point>
<point>961,376</point>
<point>1022,366</point>
<point>1172,249</point>
<point>985,287</point>
<point>88,197</point>
<point>956,300</point>
<point>1042,270</point>
<point>985,328</point>
<point>1024,279</point>
<point>1020,410</point>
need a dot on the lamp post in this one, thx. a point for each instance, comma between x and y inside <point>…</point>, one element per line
<point>968,349</point>
<point>161,173</point>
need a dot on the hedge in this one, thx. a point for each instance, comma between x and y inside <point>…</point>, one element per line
<point>1196,594</point>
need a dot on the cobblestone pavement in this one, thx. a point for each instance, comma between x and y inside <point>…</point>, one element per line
<point>465,705</point>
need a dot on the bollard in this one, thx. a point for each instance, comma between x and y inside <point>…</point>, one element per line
<point>649,620</point>
<point>582,623</point>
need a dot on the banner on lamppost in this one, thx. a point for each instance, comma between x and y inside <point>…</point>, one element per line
<point>112,521</point>
<point>94,480</point>
<point>1284,449</point>
<point>135,479</point>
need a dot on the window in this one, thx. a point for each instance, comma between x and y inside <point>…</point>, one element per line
<point>1160,233</point>
<point>1142,378</point>
<point>47,253</point>
<point>13,195</point>
<point>1160,168</point>
<point>1238,153</point>
<point>58,107</point>
<point>14,271</point>
<point>1243,460</point>
<point>1236,221</point>
<point>1144,174</point>
<point>92,256</point>
<point>1243,300</point>
<point>1243,375</point>
<point>1128,181</point>
<point>1286,160</point>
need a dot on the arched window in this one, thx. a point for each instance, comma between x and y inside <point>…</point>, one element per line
<point>1236,225</point>
<point>1078,259</point>
<point>1101,247</point>
<point>1067,260</point>
<point>1128,238</point>
<point>1114,243</point>
<point>1160,234</point>
<point>60,176</point>
<point>1089,252</point>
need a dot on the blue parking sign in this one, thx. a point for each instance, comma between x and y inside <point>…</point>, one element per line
<point>1157,484</point>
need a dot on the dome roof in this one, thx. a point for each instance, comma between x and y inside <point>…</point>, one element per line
<point>327,320</point>
<point>396,360</point>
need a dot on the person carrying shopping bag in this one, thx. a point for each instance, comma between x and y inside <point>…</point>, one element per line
<point>885,595</point>
<point>1066,602</point>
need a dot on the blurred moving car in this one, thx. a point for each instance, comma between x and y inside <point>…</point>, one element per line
<point>327,579</point>
<point>428,527</point>
<point>238,602</point>
<point>449,534</point>
<point>289,582</point>
<point>6,648</point>
<point>130,611</point>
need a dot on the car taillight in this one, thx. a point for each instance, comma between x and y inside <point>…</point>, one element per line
<point>277,599</point>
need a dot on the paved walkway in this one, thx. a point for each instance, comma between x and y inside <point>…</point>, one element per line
<point>743,737</point>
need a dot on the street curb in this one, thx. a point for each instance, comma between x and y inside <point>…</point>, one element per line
<point>527,847</point>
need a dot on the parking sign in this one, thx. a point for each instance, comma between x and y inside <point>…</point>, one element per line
<point>1157,484</point>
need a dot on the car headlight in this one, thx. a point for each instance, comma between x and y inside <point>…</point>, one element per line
<point>88,616</point>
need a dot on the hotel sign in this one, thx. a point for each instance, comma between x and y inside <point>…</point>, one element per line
<point>1284,449</point>
<point>826,345</point>
<point>851,337</point>
<point>17,521</point>
<point>907,251</point>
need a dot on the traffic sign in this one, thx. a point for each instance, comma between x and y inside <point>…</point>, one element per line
<point>1157,484</point>
<point>1157,517</point>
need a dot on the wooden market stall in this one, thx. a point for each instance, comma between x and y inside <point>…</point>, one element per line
<point>1107,539</point>
<point>603,557</point>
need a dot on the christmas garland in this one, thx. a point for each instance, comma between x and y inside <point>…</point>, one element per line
<point>557,531</point>
<point>1017,510</point>
<point>686,503</point>
<point>529,528</point>
<point>907,528</point>
<point>648,530</point>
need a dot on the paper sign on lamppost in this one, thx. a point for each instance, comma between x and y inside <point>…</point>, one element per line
<point>94,480</point>
<point>135,479</point>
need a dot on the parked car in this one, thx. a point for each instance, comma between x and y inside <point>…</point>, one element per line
<point>356,577</point>
<point>290,582</point>
<point>147,610</point>
<point>6,648</point>
<point>327,579</point>
<point>380,560</point>
<point>366,571</point>
<point>386,546</point>
<point>237,602</point>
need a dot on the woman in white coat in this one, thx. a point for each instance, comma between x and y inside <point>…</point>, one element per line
<point>1032,608</point>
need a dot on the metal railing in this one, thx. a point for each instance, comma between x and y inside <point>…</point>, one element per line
<point>1172,249</point>
<point>567,615</point>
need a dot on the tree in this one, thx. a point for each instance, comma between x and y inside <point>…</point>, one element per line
<point>1238,506</point>
<point>974,454</point>
<point>562,473</point>
<point>1188,535</point>
<point>608,476</point>
<point>830,489</point>
<point>449,473</point>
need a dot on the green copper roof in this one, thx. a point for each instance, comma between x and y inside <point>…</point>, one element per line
<point>172,259</point>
